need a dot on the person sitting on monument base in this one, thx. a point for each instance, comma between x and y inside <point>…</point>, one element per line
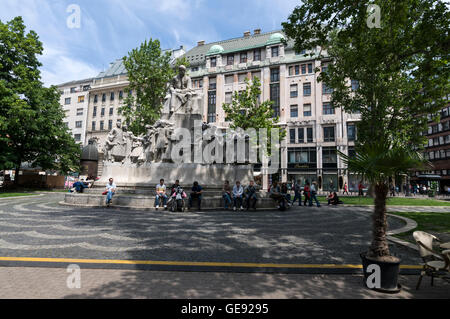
<point>196,194</point>
<point>250,196</point>
<point>226,194</point>
<point>110,191</point>
<point>161,193</point>
<point>238,195</point>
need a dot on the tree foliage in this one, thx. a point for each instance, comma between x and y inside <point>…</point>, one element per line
<point>149,71</point>
<point>31,119</point>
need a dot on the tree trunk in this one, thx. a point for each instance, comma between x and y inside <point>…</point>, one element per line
<point>16,175</point>
<point>379,249</point>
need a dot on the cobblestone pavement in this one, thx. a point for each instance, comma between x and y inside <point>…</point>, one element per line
<point>39,227</point>
<point>108,283</point>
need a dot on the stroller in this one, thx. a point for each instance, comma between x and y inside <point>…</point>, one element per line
<point>177,202</point>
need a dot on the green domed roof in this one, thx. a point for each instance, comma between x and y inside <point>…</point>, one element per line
<point>215,49</point>
<point>275,38</point>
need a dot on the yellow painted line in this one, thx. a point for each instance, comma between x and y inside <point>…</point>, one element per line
<point>187,263</point>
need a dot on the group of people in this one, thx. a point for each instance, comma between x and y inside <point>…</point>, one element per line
<point>161,194</point>
<point>240,196</point>
<point>280,193</point>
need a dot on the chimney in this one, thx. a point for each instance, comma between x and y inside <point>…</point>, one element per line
<point>257,31</point>
<point>247,33</point>
<point>201,42</point>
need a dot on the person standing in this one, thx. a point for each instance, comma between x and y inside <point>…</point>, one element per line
<point>111,190</point>
<point>238,193</point>
<point>297,193</point>
<point>250,196</point>
<point>161,194</point>
<point>307,193</point>
<point>345,189</point>
<point>226,194</point>
<point>313,195</point>
<point>360,189</point>
<point>196,193</point>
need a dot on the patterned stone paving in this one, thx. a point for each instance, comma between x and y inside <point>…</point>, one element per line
<point>39,227</point>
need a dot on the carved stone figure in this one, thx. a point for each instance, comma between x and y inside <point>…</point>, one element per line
<point>118,150</point>
<point>163,139</point>
<point>180,91</point>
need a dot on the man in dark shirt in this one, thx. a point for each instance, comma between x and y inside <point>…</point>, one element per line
<point>196,193</point>
<point>250,196</point>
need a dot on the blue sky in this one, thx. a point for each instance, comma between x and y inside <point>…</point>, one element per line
<point>111,28</point>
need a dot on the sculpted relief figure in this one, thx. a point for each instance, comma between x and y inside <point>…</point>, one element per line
<point>163,140</point>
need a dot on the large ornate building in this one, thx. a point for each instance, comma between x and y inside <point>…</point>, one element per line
<point>315,130</point>
<point>74,100</point>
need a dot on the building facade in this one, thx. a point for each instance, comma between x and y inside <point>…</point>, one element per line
<point>74,101</point>
<point>315,129</point>
<point>437,152</point>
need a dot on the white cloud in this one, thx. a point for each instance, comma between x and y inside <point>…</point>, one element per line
<point>59,67</point>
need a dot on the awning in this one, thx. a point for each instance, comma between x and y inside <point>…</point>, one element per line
<point>429,176</point>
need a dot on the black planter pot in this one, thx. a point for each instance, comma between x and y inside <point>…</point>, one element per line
<point>389,274</point>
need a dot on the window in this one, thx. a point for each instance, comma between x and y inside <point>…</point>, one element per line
<point>329,157</point>
<point>120,95</point>
<point>257,55</point>
<point>307,110</point>
<point>328,134</point>
<point>328,108</point>
<point>351,132</point>
<point>230,59</point>
<point>102,125</point>
<point>211,106</point>
<point>229,79</point>
<point>77,137</point>
<point>292,136</point>
<point>111,111</point>
<point>94,114</point>
<point>294,111</point>
<point>93,125</point>
<point>79,112</point>
<point>103,97</point>
<point>110,125</point>
<point>66,124</point>
<point>73,90</point>
<point>274,51</point>
<point>228,97</point>
<point>112,96</point>
<point>86,87</point>
<point>294,90</point>
<point>301,135</point>
<point>274,75</point>
<point>213,62</point>
<point>310,68</point>
<point>243,57</point>
<point>194,69</point>
<point>306,89</point>
<point>326,89</point>
<point>242,77</point>
<point>256,75</point>
<point>297,69</point>
<point>212,83</point>
<point>67,101</point>
<point>303,68</point>
<point>95,98</point>
<point>78,124</point>
<point>81,99</point>
<point>275,91</point>
<point>355,85</point>
<point>309,134</point>
<point>102,112</point>
<point>302,157</point>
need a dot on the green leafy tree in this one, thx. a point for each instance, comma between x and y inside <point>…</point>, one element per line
<point>247,111</point>
<point>401,73</point>
<point>149,71</point>
<point>31,119</point>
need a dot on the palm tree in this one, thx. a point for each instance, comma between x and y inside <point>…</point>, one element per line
<point>377,162</point>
